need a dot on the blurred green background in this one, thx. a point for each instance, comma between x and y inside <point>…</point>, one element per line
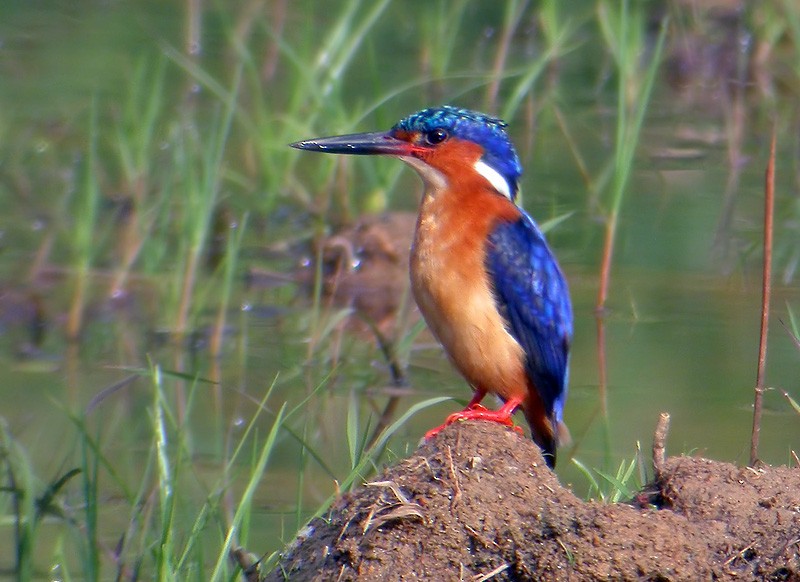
<point>172,275</point>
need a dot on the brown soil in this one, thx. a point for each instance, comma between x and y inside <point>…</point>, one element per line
<point>478,503</point>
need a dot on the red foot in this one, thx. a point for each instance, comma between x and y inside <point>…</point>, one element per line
<point>478,412</point>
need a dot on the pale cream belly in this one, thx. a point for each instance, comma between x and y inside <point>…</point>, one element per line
<point>463,317</point>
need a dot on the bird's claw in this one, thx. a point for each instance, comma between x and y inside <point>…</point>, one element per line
<point>475,412</point>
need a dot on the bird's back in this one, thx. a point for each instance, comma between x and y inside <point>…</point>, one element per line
<point>532,296</point>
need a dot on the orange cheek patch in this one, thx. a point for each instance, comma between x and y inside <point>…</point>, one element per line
<point>455,155</point>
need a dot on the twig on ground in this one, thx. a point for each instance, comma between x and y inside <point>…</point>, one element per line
<point>660,444</point>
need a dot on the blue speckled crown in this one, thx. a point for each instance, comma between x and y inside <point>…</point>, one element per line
<point>486,131</point>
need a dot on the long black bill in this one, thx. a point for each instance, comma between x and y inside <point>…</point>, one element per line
<point>359,144</point>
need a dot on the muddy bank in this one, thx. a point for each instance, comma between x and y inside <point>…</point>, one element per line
<point>478,503</point>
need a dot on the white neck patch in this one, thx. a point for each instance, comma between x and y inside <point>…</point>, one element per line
<point>493,177</point>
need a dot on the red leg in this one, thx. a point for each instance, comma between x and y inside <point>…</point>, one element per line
<point>476,399</point>
<point>475,411</point>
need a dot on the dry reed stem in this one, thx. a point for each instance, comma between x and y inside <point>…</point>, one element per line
<point>766,292</point>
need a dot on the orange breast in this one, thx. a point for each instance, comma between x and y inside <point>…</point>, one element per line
<point>453,291</point>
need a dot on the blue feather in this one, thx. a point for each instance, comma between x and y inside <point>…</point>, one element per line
<point>532,296</point>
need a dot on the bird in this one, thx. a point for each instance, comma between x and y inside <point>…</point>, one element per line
<point>483,276</point>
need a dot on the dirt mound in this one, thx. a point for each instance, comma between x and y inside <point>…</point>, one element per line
<point>478,503</point>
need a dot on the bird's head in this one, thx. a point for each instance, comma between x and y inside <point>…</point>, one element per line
<point>441,143</point>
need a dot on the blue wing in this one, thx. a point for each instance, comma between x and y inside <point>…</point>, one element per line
<point>532,295</point>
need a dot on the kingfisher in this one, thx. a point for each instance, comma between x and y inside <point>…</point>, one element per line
<point>482,274</point>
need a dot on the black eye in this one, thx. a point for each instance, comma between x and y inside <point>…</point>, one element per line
<point>435,136</point>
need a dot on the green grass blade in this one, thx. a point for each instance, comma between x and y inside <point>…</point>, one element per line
<point>352,429</point>
<point>594,486</point>
<point>245,503</point>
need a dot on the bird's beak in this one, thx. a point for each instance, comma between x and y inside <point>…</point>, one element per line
<point>359,144</point>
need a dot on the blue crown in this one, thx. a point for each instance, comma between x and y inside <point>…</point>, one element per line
<point>484,130</point>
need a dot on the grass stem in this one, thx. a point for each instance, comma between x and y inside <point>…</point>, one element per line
<point>766,294</point>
